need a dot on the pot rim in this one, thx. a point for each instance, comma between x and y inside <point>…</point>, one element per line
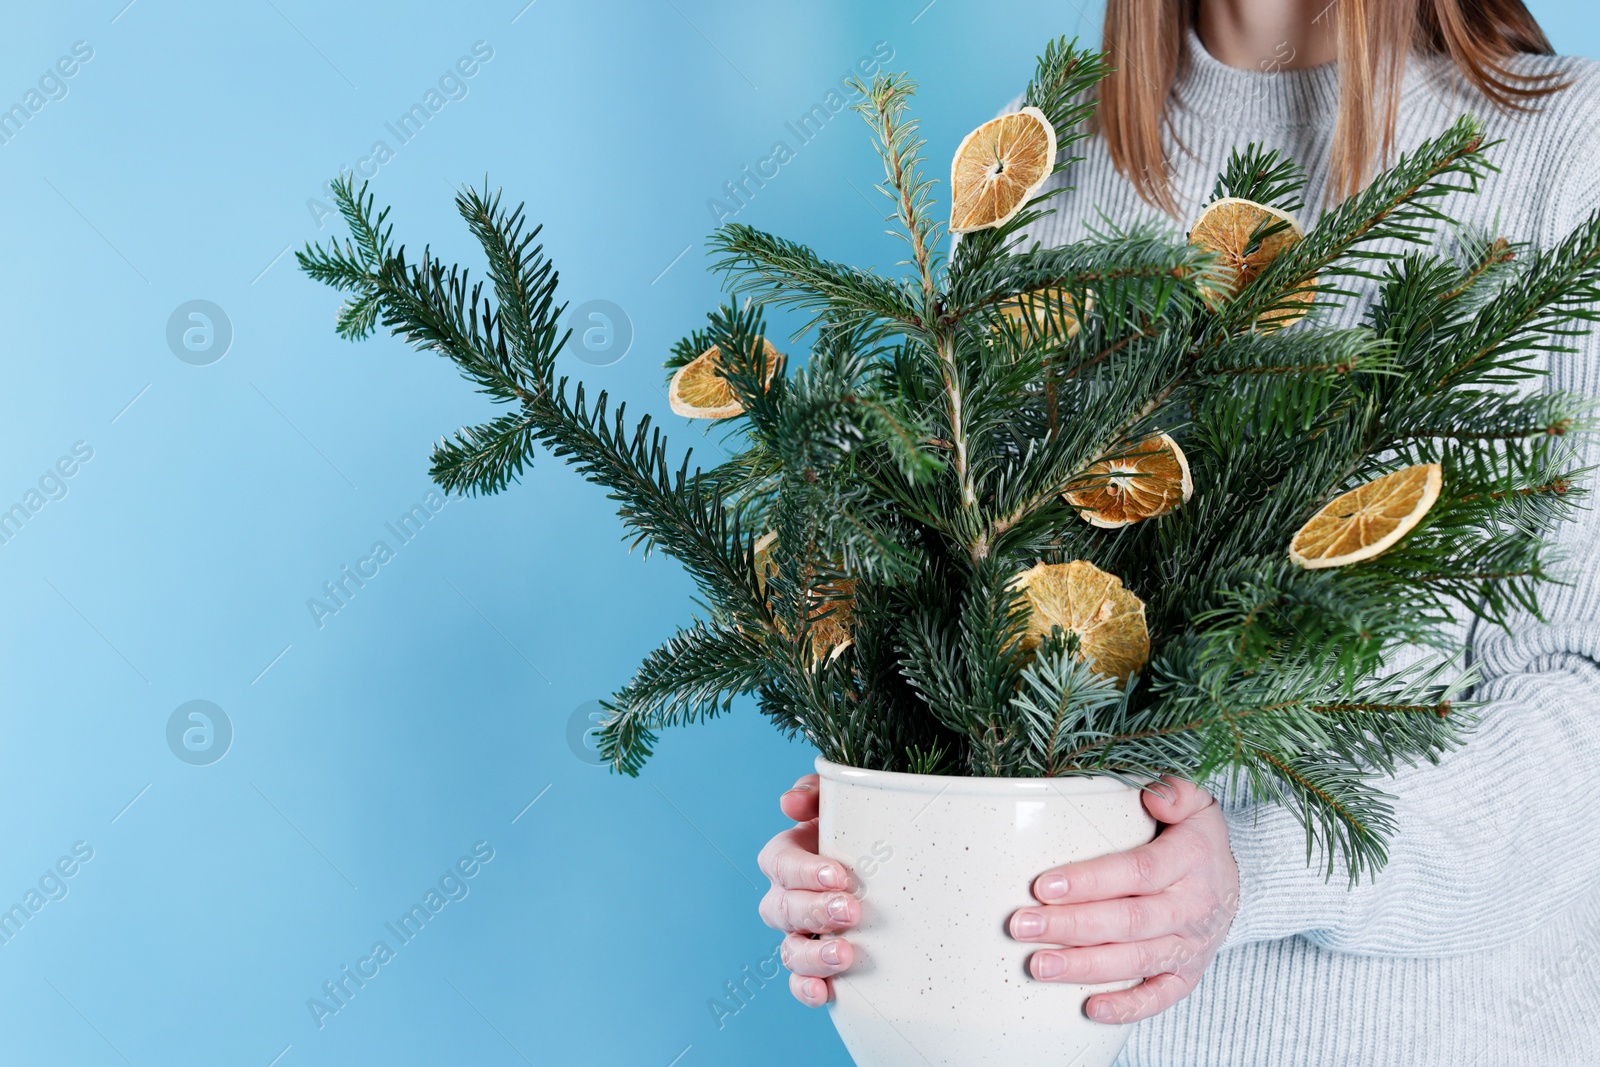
<point>901,782</point>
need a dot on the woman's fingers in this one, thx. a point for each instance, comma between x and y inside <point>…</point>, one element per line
<point>790,861</point>
<point>800,802</point>
<point>809,895</point>
<point>1144,870</point>
<point>1173,800</point>
<point>1111,963</point>
<point>817,958</point>
<point>798,911</point>
<point>1158,912</point>
<point>1102,921</point>
<point>1151,997</point>
<point>812,992</point>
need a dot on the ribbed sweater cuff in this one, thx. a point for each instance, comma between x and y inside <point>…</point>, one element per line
<point>1279,894</point>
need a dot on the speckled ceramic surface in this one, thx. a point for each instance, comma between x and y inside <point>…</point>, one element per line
<point>942,863</point>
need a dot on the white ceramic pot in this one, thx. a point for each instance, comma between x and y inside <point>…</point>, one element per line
<point>942,863</point>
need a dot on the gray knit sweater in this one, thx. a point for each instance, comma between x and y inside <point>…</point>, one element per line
<point>1479,944</point>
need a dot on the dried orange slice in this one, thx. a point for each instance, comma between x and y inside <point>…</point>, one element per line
<point>699,391</point>
<point>1083,599</point>
<point>763,553</point>
<point>1368,520</point>
<point>1051,312</point>
<point>998,167</point>
<point>832,613</point>
<point>1151,479</point>
<point>1227,227</point>
<point>831,620</point>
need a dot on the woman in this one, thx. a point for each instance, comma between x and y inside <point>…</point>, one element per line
<point>1480,942</point>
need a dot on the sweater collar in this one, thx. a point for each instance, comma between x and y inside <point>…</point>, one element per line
<point>1211,93</point>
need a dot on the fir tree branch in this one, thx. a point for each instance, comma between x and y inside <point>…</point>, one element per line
<point>1555,296</point>
<point>1061,88</point>
<point>884,106</point>
<point>1495,254</point>
<point>1329,814</point>
<point>1264,176</point>
<point>486,458</point>
<point>436,309</point>
<point>784,273</point>
<point>352,266</point>
<point>692,677</point>
<point>1399,205</point>
<point>1139,268</point>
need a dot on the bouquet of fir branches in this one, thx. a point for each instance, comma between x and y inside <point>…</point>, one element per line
<point>1127,506</point>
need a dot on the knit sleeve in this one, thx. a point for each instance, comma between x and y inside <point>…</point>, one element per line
<point>1500,837</point>
<point>1492,844</point>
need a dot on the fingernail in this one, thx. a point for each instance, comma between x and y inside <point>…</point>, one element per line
<point>839,909</point>
<point>1027,924</point>
<point>813,988</point>
<point>831,953</point>
<point>1053,885</point>
<point>1048,965</point>
<point>831,877</point>
<point>1101,1011</point>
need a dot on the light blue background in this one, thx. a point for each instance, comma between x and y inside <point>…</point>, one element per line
<point>428,713</point>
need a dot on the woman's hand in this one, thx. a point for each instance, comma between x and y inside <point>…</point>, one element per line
<point>1158,912</point>
<point>809,895</point>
